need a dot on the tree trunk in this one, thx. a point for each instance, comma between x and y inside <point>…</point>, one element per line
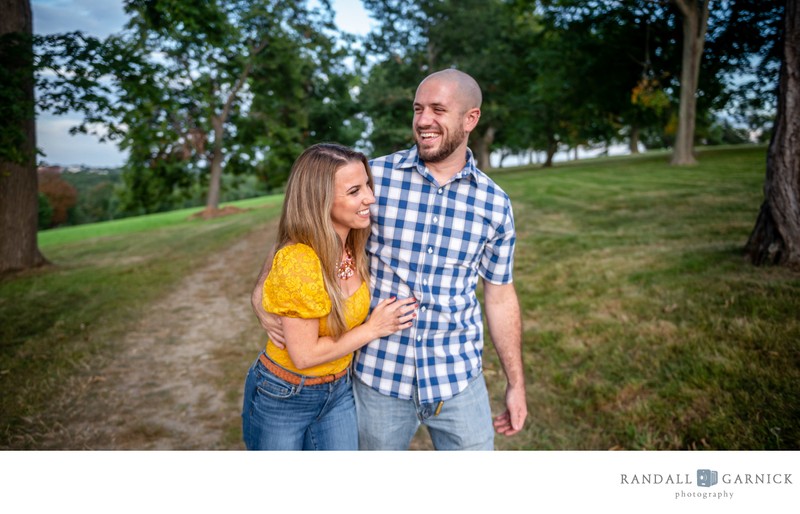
<point>218,121</point>
<point>552,148</point>
<point>695,23</point>
<point>634,139</point>
<point>482,148</point>
<point>776,236</point>
<point>215,179</point>
<point>503,155</point>
<point>19,198</point>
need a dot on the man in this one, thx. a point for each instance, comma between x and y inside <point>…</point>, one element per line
<point>439,225</point>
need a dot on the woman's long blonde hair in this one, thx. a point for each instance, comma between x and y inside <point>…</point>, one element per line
<point>306,219</point>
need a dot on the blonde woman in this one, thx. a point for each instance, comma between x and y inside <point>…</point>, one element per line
<point>299,396</point>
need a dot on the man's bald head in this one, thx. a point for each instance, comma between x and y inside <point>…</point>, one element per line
<point>466,87</point>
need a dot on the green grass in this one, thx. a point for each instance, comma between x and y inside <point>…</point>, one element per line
<point>79,233</point>
<point>645,328</point>
<point>61,319</point>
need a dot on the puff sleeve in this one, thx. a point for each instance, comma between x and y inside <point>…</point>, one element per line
<point>294,287</point>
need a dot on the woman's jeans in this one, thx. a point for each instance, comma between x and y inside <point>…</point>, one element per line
<point>278,415</point>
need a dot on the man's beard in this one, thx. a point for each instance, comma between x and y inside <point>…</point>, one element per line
<point>446,148</point>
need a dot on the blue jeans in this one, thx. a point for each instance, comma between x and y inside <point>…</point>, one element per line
<point>463,423</point>
<point>278,415</point>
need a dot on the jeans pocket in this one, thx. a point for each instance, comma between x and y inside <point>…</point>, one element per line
<point>274,387</point>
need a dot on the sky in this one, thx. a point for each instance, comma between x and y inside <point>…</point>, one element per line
<point>101,18</point>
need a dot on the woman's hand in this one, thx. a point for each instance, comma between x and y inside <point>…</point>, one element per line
<point>391,315</point>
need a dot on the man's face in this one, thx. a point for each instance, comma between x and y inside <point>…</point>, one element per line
<point>438,120</point>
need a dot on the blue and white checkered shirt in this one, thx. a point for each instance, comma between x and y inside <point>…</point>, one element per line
<point>432,241</point>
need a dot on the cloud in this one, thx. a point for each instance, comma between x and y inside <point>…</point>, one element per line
<point>96,17</point>
<point>54,139</point>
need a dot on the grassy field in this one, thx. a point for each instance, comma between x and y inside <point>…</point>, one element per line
<point>59,321</point>
<point>644,328</point>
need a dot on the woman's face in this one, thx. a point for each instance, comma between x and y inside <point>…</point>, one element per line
<point>352,198</point>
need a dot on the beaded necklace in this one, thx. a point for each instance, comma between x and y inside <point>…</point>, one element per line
<point>345,269</point>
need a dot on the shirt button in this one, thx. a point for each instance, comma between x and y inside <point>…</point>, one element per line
<point>435,219</point>
<point>440,190</point>
<point>419,338</point>
<point>425,282</point>
<point>430,250</point>
<point>424,308</point>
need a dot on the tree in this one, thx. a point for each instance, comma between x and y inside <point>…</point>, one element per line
<point>177,87</point>
<point>198,58</point>
<point>18,181</point>
<point>420,37</point>
<point>738,36</point>
<point>630,47</point>
<point>61,195</point>
<point>299,97</point>
<point>695,23</point>
<point>775,239</point>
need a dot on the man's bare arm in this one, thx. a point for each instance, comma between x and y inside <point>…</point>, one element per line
<point>505,328</point>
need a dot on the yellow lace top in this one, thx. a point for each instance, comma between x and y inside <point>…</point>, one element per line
<point>294,288</point>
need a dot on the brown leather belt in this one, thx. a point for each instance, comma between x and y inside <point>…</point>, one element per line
<point>294,378</point>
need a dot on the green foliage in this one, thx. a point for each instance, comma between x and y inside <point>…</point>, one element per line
<point>97,195</point>
<point>16,101</point>
<point>100,194</point>
<point>300,97</point>
<point>417,38</point>
<point>71,76</point>
<point>722,132</point>
<point>189,89</point>
<point>45,212</point>
<point>387,98</point>
<point>629,49</point>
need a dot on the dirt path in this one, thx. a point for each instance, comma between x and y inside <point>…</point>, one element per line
<point>175,382</point>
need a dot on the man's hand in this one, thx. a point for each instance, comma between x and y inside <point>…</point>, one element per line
<point>513,419</point>
<point>271,323</point>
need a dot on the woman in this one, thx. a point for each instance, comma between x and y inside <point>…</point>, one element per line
<point>300,397</point>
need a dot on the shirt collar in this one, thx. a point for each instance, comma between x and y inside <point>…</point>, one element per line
<point>412,159</point>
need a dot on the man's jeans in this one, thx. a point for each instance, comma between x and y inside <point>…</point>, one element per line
<point>278,415</point>
<point>463,423</point>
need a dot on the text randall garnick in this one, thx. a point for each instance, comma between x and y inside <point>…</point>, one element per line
<point>686,478</point>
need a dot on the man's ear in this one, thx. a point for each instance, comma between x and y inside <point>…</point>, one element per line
<point>471,118</point>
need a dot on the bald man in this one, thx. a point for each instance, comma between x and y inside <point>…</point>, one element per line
<point>438,227</point>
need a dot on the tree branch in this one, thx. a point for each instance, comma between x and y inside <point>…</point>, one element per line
<point>237,86</point>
